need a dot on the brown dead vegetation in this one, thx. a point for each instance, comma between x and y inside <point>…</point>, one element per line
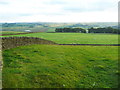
<point>12,42</point>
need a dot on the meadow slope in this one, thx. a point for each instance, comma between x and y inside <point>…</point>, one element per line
<point>54,66</point>
<point>76,38</point>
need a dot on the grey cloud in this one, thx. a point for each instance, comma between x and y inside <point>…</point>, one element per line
<point>78,9</point>
<point>51,14</point>
<point>93,7</point>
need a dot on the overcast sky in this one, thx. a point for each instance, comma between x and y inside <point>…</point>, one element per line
<point>59,10</point>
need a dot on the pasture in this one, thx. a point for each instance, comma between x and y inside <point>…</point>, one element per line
<point>76,38</point>
<point>34,29</point>
<point>9,32</point>
<point>59,66</point>
<point>54,66</point>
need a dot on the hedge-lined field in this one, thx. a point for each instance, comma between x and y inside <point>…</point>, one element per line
<point>76,38</point>
<point>54,66</point>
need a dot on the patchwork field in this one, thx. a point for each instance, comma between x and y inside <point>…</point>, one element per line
<point>76,38</point>
<point>54,66</point>
<point>34,29</point>
<point>9,32</point>
<point>59,66</point>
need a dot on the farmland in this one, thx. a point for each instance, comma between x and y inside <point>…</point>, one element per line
<point>50,27</point>
<point>59,66</point>
<point>34,27</point>
<point>76,38</point>
<point>54,66</point>
<point>9,32</point>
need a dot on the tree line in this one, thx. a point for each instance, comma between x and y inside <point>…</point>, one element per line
<point>90,30</point>
<point>103,30</point>
<point>70,30</point>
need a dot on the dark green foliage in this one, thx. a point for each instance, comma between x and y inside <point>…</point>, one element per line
<point>90,30</point>
<point>70,30</point>
<point>104,30</point>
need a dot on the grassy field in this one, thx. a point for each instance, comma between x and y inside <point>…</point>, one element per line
<point>54,66</point>
<point>76,38</point>
<point>34,27</point>
<point>22,29</point>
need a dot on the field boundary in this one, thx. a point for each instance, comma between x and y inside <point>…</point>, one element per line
<point>12,42</point>
<point>93,44</point>
<point>19,33</point>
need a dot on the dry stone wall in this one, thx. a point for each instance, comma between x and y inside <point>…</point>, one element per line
<point>17,33</point>
<point>12,42</point>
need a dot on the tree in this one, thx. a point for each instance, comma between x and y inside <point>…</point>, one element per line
<point>70,30</point>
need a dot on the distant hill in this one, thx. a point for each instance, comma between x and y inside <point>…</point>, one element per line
<point>50,27</point>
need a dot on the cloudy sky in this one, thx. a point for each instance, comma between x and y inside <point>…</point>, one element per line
<point>59,10</point>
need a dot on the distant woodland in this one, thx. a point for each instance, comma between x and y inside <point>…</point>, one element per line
<point>90,30</point>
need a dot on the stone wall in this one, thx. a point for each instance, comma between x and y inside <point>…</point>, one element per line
<point>12,42</point>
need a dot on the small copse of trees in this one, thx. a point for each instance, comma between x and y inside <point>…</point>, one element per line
<point>70,30</point>
<point>103,30</point>
<point>90,30</point>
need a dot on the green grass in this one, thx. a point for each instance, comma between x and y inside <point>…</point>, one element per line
<point>10,32</point>
<point>76,38</point>
<point>54,66</point>
<point>52,29</point>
